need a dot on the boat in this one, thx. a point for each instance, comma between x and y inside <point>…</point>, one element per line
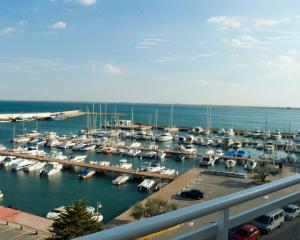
<point>221,131</point>
<point>123,163</point>
<point>77,158</point>
<point>237,144</point>
<point>207,141</point>
<point>217,142</point>
<point>297,148</point>
<point>276,135</point>
<point>289,147</point>
<point>150,155</point>
<point>256,133</point>
<point>161,154</point>
<point>51,168</point>
<point>52,143</point>
<point>20,139</point>
<point>88,147</point>
<point>140,135</point>
<point>264,156</point>
<point>2,147</point>
<point>168,171</point>
<point>154,167</point>
<point>66,145</point>
<point>164,137</point>
<point>196,130</point>
<point>229,163</point>
<point>227,142</point>
<point>160,186</point>
<point>22,164</point>
<point>10,161</point>
<point>133,152</point>
<point>79,146</point>
<point>58,155</point>
<point>34,166</point>
<point>180,157</point>
<point>146,185</point>
<point>135,145</point>
<point>219,153</point>
<point>296,136</point>
<point>107,150</point>
<point>190,149</point>
<point>260,146</point>
<point>207,160</point>
<point>104,163</point>
<point>86,174</point>
<point>189,139</point>
<point>269,146</point>
<point>250,164</point>
<point>120,180</point>
<point>1,194</point>
<point>229,132</point>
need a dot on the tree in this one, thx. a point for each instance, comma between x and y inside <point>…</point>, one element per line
<point>152,207</point>
<point>74,222</point>
<point>263,170</point>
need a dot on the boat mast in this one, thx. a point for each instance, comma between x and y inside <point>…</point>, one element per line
<point>171,117</point>
<point>132,115</point>
<point>105,115</point>
<point>100,117</point>
<point>155,121</point>
<point>87,118</point>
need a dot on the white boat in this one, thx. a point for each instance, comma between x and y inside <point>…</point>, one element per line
<point>161,154</point>
<point>104,163</point>
<point>296,136</point>
<point>168,171</point>
<point>150,155</point>
<point>123,163</point>
<point>135,145</point>
<point>276,135</point>
<point>221,131</point>
<point>237,144</point>
<point>51,168</point>
<point>256,133</point>
<point>269,146</point>
<point>289,148</point>
<point>229,132</point>
<point>250,164</point>
<point>164,137</point>
<point>52,143</point>
<point>88,147</point>
<point>21,139</point>
<point>120,180</point>
<point>260,146</point>
<point>10,161</point>
<point>2,147</point>
<point>1,194</point>
<point>196,130</point>
<point>77,158</point>
<point>297,148</point>
<point>133,152</point>
<point>147,184</point>
<point>227,142</point>
<point>22,164</point>
<point>34,166</point>
<point>34,150</point>
<point>140,135</point>
<point>205,132</point>
<point>58,155</point>
<point>207,141</point>
<point>189,139</point>
<point>190,149</point>
<point>66,145</point>
<point>264,156</point>
<point>209,152</point>
<point>154,167</point>
<point>230,163</point>
<point>219,153</point>
<point>207,160</point>
<point>78,146</point>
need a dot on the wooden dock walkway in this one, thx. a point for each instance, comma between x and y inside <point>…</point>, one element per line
<point>96,167</point>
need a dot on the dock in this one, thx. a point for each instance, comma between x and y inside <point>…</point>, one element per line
<point>96,167</point>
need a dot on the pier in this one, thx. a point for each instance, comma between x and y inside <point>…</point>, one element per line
<point>98,168</point>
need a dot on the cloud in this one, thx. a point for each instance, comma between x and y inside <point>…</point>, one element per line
<point>242,41</point>
<point>22,22</point>
<point>224,23</point>
<point>147,42</point>
<point>59,25</point>
<point>216,84</point>
<point>83,2</point>
<point>8,30</point>
<point>111,69</point>
<point>177,57</point>
<point>260,22</point>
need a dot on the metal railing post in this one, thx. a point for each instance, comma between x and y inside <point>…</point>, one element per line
<point>223,224</point>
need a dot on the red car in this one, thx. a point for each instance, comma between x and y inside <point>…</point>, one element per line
<point>246,232</point>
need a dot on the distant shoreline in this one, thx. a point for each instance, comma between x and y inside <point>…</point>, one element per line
<point>141,103</point>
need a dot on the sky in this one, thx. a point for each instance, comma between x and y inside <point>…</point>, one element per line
<point>221,52</point>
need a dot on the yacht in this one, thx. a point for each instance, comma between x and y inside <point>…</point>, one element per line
<point>77,158</point>
<point>168,171</point>
<point>229,132</point>
<point>296,136</point>
<point>66,145</point>
<point>120,180</point>
<point>230,163</point>
<point>164,137</point>
<point>51,168</point>
<point>196,130</point>
<point>154,167</point>
<point>227,142</point>
<point>34,166</point>
<point>150,155</point>
<point>133,152</point>
<point>135,145</point>
<point>104,163</point>
<point>250,164</point>
<point>207,160</point>
<point>1,194</point>
<point>190,149</point>
<point>276,135</point>
<point>22,164</point>
<point>124,164</point>
<point>289,148</point>
<point>256,133</point>
<point>52,143</point>
<point>269,146</point>
<point>10,161</point>
<point>146,185</point>
<point>237,144</point>
<point>161,154</point>
<point>221,131</point>
<point>2,147</point>
<point>297,148</point>
<point>86,174</point>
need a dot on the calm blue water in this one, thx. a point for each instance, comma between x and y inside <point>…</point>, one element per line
<point>36,195</point>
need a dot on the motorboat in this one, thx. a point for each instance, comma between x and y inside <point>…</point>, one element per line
<point>217,142</point>
<point>207,160</point>
<point>264,156</point>
<point>104,163</point>
<point>168,171</point>
<point>51,168</point>
<point>154,167</point>
<point>52,143</point>
<point>276,135</point>
<point>207,141</point>
<point>58,155</point>
<point>196,130</point>
<point>140,135</point>
<point>20,139</point>
<point>247,134</point>
<point>229,132</point>
<point>135,145</point>
<point>250,164</point>
<point>189,139</point>
<point>289,148</point>
<point>227,142</point>
<point>296,136</point>
<point>34,166</point>
<point>256,133</point>
<point>66,145</point>
<point>209,152</point>
<point>54,214</point>
<point>297,148</point>
<point>221,131</point>
<point>120,180</point>
<point>219,153</point>
<point>133,152</point>
<point>260,146</point>
<point>237,144</point>
<point>161,154</point>
<point>229,163</point>
<point>180,157</point>
<point>146,185</point>
<point>79,146</point>
<point>10,161</point>
<point>269,146</point>
<point>190,149</point>
<point>150,155</point>
<point>108,150</point>
<point>22,164</point>
<point>206,132</point>
<point>123,163</point>
<point>2,147</point>
<point>77,158</point>
<point>1,194</point>
<point>87,174</point>
<point>164,137</point>
<point>88,147</point>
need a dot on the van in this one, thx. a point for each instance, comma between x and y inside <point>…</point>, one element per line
<point>270,221</point>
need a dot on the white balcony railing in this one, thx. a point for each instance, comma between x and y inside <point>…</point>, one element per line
<point>217,230</point>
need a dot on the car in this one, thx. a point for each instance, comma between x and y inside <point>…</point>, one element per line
<point>192,194</point>
<point>246,232</point>
<point>291,211</point>
<point>269,221</point>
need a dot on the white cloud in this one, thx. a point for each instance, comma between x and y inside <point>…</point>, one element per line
<point>224,23</point>
<point>177,57</point>
<point>111,69</point>
<point>243,41</point>
<point>83,2</point>
<point>147,42</point>
<point>216,84</point>
<point>8,30</point>
<point>59,25</point>
<point>261,22</point>
<point>22,22</point>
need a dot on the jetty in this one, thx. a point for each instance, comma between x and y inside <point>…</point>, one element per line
<point>96,167</point>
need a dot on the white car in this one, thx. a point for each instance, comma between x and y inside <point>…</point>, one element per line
<point>291,211</point>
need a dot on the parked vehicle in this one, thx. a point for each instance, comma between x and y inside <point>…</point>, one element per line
<point>270,221</point>
<point>192,194</point>
<point>291,211</point>
<point>246,232</point>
